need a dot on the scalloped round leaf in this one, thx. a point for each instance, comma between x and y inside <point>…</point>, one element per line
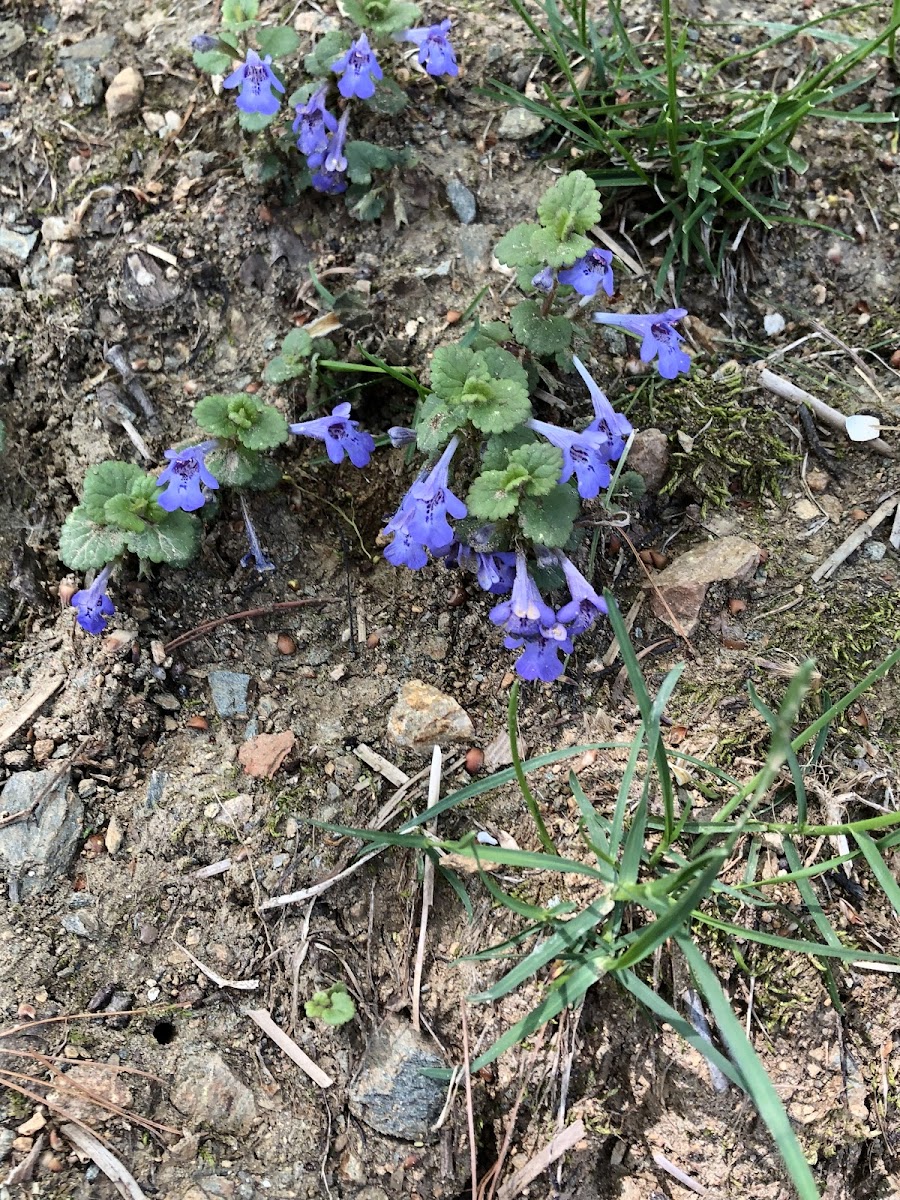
<point>508,407</point>
<point>451,366</point>
<point>572,205</point>
<point>499,447</point>
<point>105,480</point>
<point>119,512</point>
<point>213,62</point>
<point>266,475</point>
<point>503,365</point>
<point>254,122</point>
<point>514,248</point>
<point>543,336</point>
<point>84,545</point>
<point>211,414</point>
<point>488,499</point>
<point>559,252</point>
<point>436,423</point>
<point>269,429</point>
<point>173,541</point>
<point>233,466</point>
<point>277,40</point>
<point>549,520</point>
<point>327,50</point>
<point>281,369</point>
<point>543,463</point>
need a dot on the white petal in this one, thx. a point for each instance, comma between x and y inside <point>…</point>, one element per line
<point>862,429</point>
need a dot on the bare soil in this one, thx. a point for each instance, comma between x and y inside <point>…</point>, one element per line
<point>157,769</point>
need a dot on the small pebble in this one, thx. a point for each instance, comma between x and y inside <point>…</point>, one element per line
<point>372,641</point>
<point>876,551</point>
<point>736,605</point>
<point>197,723</point>
<point>286,644</point>
<point>474,760</point>
<point>858,514</point>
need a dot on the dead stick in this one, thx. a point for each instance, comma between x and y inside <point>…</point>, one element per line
<point>827,415</point>
<point>280,606</point>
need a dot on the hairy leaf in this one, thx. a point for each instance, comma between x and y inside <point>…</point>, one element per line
<point>488,499</point>
<point>543,463</point>
<point>174,540</point>
<point>278,41</point>
<point>84,545</point>
<point>105,480</point>
<point>542,335</point>
<point>327,51</point>
<point>572,205</point>
<point>514,248</point>
<point>559,252</point>
<point>549,520</point>
<point>450,368</point>
<point>436,423</point>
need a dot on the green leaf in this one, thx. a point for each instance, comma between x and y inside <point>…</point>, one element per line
<point>436,423</point>
<point>503,365</point>
<point>241,417</point>
<point>572,205</point>
<point>119,511</point>
<point>400,15</point>
<point>390,100</point>
<point>254,122</point>
<point>334,1006</point>
<point>559,252</point>
<point>491,333</point>
<point>543,463</point>
<point>356,12</point>
<point>269,429</point>
<point>233,466</point>
<point>501,445</point>
<point>174,540</point>
<point>498,406</point>
<point>281,369</point>
<point>327,51</point>
<point>488,498</point>
<point>85,545</point>
<point>213,62</point>
<point>278,41</point>
<point>266,475</point>
<point>105,480</point>
<point>542,335</point>
<point>363,158</point>
<point>451,366</point>
<point>550,520</point>
<point>239,12</point>
<point>212,415</point>
<point>364,205</point>
<point>514,248</point>
<point>298,344</point>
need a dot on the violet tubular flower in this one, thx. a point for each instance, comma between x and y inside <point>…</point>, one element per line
<point>660,338</point>
<point>433,502</point>
<point>401,435</point>
<point>185,477</point>
<point>614,426</point>
<point>540,657</point>
<point>92,605</point>
<point>340,435</point>
<point>404,550</point>
<point>585,605</point>
<point>590,273</point>
<point>313,125</point>
<point>331,177</point>
<point>255,556</point>
<point>495,570</point>
<point>436,54</point>
<point>359,70</point>
<point>256,79</point>
<point>526,611</point>
<point>544,280</point>
<point>585,455</point>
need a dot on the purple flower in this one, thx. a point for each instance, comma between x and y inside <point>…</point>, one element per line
<point>256,79</point>
<point>329,183</point>
<point>340,435</point>
<point>494,569</point>
<point>436,54</point>
<point>92,605</point>
<point>433,501</point>
<point>358,69</point>
<point>586,455</point>
<point>404,550</point>
<point>400,435</point>
<point>313,124</point>
<point>588,274</point>
<point>584,607</point>
<point>525,612</point>
<point>335,161</point>
<point>255,556</point>
<point>185,477</point>
<point>540,658</point>
<point>615,426</point>
<point>544,280</point>
<point>201,43</point>
<point>660,338</point>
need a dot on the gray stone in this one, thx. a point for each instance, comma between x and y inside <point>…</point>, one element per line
<point>463,201</point>
<point>39,848</point>
<point>15,246</point>
<point>519,124</point>
<point>390,1093</point>
<point>229,692</point>
<point>649,456</point>
<point>476,243</point>
<point>81,927</point>
<point>424,717</point>
<point>80,64</point>
<point>12,38</point>
<point>209,1093</point>
<point>679,590</point>
<point>7,1137</point>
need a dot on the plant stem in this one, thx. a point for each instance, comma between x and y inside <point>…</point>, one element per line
<point>672,90</point>
<point>545,839</point>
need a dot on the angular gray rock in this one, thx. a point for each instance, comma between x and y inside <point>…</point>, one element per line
<point>229,692</point>
<point>16,245</point>
<point>80,65</point>
<point>390,1093</point>
<point>518,124</point>
<point>35,851</point>
<point>463,201</point>
<point>209,1093</point>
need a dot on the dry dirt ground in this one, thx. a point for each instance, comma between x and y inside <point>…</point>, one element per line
<point>155,785</point>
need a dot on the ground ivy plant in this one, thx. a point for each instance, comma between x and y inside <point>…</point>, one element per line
<point>255,60</point>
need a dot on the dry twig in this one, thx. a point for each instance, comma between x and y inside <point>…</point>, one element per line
<point>561,1144</point>
<point>826,414</point>
<point>246,614</point>
<point>434,792</point>
<point>289,1046</point>
<point>114,1170</point>
<point>859,535</point>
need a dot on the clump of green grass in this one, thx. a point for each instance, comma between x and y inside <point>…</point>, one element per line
<point>701,153</point>
<point>660,875</point>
